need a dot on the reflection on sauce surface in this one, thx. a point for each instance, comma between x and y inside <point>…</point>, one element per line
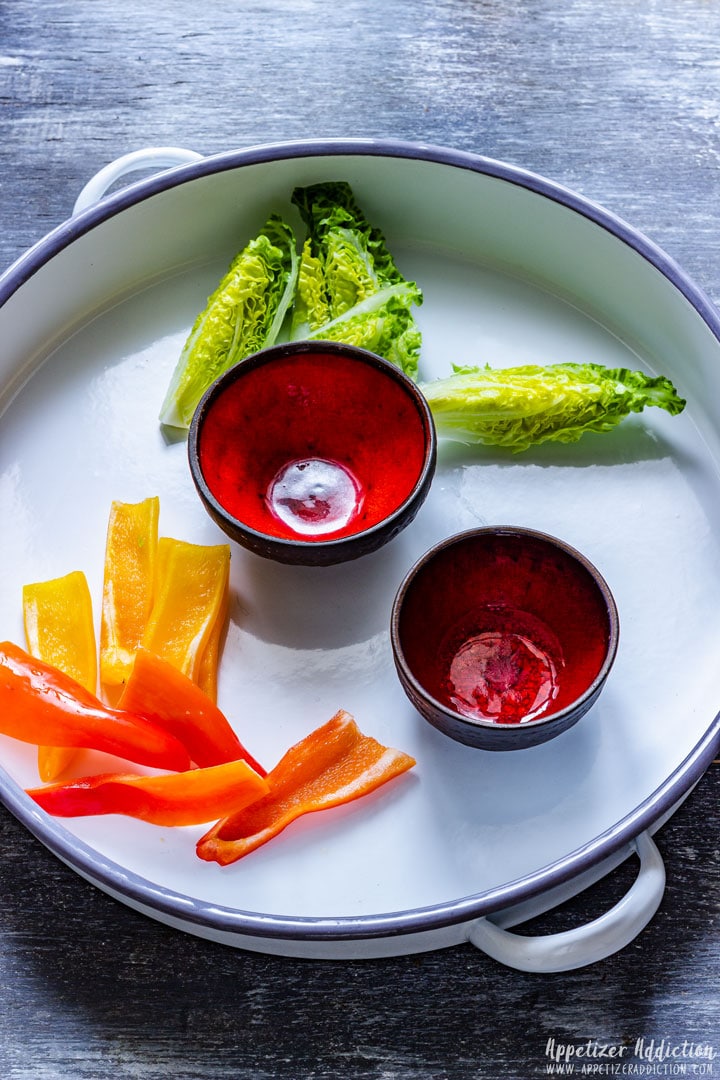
<point>315,496</point>
<point>506,669</point>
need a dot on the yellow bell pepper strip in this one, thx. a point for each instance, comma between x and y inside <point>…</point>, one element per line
<point>334,764</point>
<point>59,629</point>
<point>59,626</point>
<point>187,798</point>
<point>207,677</point>
<point>40,704</point>
<point>128,586</point>
<point>191,595</point>
<point>162,694</point>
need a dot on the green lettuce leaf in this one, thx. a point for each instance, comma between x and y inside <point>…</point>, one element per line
<point>522,406</point>
<point>244,314</point>
<point>348,287</point>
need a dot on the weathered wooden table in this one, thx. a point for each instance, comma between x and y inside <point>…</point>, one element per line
<point>620,101</point>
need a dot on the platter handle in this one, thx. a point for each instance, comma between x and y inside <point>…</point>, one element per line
<point>151,157</point>
<point>585,944</point>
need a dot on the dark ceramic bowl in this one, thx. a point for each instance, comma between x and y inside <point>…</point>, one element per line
<point>503,637</point>
<point>312,452</point>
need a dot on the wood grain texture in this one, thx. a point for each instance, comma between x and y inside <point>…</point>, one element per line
<point>91,989</point>
<point>618,100</point>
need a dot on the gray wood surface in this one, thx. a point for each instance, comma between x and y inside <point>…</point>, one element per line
<point>618,100</point>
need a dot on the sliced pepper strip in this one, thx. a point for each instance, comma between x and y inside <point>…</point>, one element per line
<point>59,629</point>
<point>161,693</point>
<point>40,704</point>
<point>334,764</point>
<point>191,597</point>
<point>207,676</point>
<point>128,586</point>
<point>187,798</point>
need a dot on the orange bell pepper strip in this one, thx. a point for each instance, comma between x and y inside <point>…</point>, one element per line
<point>128,587</point>
<point>59,629</point>
<point>187,798</point>
<point>190,599</point>
<point>162,694</point>
<point>334,764</point>
<point>40,704</point>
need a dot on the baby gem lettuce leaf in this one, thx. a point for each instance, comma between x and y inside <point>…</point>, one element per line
<point>522,406</point>
<point>349,288</point>
<point>244,314</point>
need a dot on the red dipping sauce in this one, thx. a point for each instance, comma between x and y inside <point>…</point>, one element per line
<point>503,665</point>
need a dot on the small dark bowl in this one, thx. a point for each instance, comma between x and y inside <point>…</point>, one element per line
<point>503,637</point>
<point>312,452</point>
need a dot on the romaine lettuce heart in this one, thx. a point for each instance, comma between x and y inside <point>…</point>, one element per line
<point>244,314</point>
<point>349,288</point>
<point>522,406</point>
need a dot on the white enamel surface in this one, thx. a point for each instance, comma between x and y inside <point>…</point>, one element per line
<point>153,158</point>
<point>509,277</point>
<point>585,944</point>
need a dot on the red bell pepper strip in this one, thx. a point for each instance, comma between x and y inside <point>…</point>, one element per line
<point>334,764</point>
<point>40,704</point>
<point>187,798</point>
<point>157,690</point>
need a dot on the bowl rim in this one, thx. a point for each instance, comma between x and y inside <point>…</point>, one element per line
<point>281,350</point>
<point>522,532</point>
